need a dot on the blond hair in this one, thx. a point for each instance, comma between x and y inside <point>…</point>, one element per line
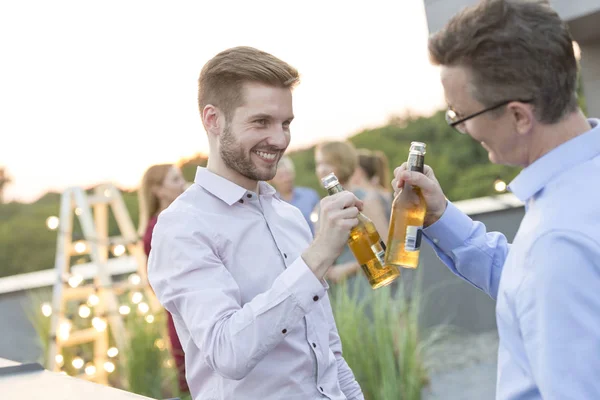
<point>222,78</point>
<point>147,200</point>
<point>342,156</point>
<point>515,49</point>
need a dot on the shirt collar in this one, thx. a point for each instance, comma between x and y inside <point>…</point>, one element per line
<point>575,151</point>
<point>225,189</point>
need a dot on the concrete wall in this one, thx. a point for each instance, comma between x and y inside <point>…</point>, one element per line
<point>449,299</point>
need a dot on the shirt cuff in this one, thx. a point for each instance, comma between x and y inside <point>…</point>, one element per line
<point>303,284</point>
<point>451,230</point>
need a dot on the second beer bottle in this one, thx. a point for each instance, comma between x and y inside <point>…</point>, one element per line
<point>408,214</point>
<point>366,244</point>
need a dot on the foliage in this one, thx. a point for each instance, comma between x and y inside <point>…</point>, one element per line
<point>387,352</point>
<point>144,367</point>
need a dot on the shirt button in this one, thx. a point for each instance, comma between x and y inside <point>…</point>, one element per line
<point>241,200</point>
<point>284,331</point>
<point>249,196</point>
<point>315,298</point>
<point>321,388</point>
<point>314,345</point>
<point>284,255</point>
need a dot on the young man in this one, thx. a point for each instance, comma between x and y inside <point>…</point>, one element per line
<point>236,266</point>
<point>509,75</point>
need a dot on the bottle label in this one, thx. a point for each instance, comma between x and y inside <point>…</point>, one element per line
<point>379,252</point>
<point>413,238</point>
<point>416,162</point>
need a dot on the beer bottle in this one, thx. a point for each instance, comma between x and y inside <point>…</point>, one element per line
<point>406,221</point>
<point>366,244</point>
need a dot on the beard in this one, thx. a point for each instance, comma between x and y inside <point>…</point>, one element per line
<point>234,156</point>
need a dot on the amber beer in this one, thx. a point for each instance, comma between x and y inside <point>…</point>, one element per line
<point>366,244</point>
<point>406,221</point>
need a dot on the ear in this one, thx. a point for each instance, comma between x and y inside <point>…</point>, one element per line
<point>522,114</point>
<point>212,119</point>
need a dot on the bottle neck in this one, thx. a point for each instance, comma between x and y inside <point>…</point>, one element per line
<point>416,162</point>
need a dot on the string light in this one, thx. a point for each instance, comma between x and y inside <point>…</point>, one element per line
<point>124,310</point>
<point>112,352</point>
<point>499,185</point>
<point>64,330</point>
<point>77,362</point>
<point>143,308</point>
<point>149,318</point>
<point>136,297</point>
<point>93,300</point>
<point>99,324</point>
<point>118,250</point>
<point>134,279</point>
<point>80,247</point>
<point>314,217</point>
<point>46,309</point>
<point>75,280</point>
<point>160,344</point>
<point>84,311</point>
<point>59,359</point>
<point>78,211</point>
<point>90,369</point>
<point>52,222</point>
<point>109,367</point>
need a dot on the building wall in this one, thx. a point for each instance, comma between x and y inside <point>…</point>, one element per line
<point>583,17</point>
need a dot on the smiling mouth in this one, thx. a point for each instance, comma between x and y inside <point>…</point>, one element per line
<point>266,156</point>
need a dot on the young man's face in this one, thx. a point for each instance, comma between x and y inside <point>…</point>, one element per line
<point>258,134</point>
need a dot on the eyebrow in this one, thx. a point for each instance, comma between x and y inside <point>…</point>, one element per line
<point>267,116</point>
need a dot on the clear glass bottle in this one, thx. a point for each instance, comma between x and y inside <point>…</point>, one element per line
<point>366,244</point>
<point>408,214</point>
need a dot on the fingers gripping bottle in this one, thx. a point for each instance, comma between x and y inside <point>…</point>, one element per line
<point>366,244</point>
<point>406,221</point>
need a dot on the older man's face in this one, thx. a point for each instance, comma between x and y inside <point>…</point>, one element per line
<point>284,178</point>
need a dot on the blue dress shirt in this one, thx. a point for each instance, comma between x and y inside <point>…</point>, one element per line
<point>547,282</point>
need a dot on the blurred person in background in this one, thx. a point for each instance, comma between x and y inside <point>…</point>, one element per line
<point>341,158</point>
<point>161,184</point>
<point>372,174</point>
<point>303,198</point>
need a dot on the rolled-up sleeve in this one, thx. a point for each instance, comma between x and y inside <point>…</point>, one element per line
<point>190,280</point>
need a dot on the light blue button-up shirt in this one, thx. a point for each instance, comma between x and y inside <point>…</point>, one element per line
<point>547,282</point>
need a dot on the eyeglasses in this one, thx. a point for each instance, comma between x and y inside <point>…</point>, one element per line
<point>454,120</point>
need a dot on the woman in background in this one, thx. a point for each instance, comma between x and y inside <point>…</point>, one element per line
<point>341,158</point>
<point>372,174</point>
<point>161,184</point>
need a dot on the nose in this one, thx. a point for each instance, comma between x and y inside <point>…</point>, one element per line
<point>279,138</point>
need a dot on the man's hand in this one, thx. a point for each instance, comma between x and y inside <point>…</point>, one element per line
<point>337,216</point>
<point>430,187</point>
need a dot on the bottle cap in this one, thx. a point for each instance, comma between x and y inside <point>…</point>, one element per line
<point>329,181</point>
<point>418,147</point>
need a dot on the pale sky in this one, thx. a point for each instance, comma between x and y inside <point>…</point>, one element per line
<point>98,91</point>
